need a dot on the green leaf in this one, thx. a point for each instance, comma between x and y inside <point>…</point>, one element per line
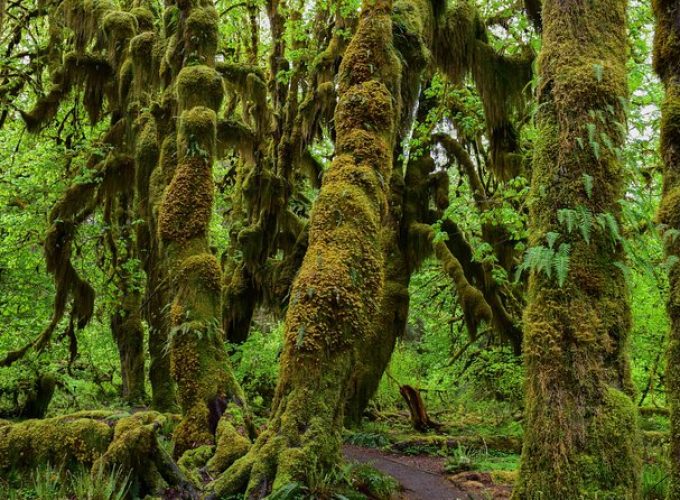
<point>588,185</point>
<point>551,238</point>
<point>561,263</point>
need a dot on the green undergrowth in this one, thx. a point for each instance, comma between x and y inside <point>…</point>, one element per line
<point>50,483</point>
<point>351,481</point>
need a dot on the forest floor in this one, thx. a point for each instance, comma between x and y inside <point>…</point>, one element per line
<point>424,477</point>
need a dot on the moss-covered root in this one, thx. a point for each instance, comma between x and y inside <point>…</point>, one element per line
<point>581,438</point>
<point>335,295</point>
<point>97,439</point>
<point>666,56</point>
<point>134,448</point>
<point>303,436</point>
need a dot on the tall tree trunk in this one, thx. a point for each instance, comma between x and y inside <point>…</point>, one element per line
<point>392,318</point>
<point>151,183</point>
<point>126,320</point>
<point>200,365</point>
<point>666,58</point>
<point>581,438</point>
<point>335,295</point>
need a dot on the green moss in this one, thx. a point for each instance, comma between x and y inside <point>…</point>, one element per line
<point>337,291</point>
<point>193,460</point>
<point>144,17</point>
<point>196,137</point>
<point>200,34</point>
<point>231,440</point>
<point>187,206</point>
<point>145,60</point>
<point>61,440</point>
<point>199,86</point>
<point>576,337</point>
<point>83,17</point>
<point>202,270</point>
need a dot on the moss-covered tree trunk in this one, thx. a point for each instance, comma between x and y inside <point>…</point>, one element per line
<point>200,365</point>
<point>335,295</point>
<point>391,320</point>
<point>667,66</point>
<point>581,438</point>
<point>126,321</point>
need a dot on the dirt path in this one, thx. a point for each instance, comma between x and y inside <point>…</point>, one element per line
<point>420,477</point>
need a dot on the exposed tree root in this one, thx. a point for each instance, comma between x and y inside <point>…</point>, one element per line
<point>102,440</point>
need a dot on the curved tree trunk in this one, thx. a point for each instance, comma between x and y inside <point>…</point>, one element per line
<point>392,318</point>
<point>335,295</point>
<point>581,438</point>
<point>666,57</point>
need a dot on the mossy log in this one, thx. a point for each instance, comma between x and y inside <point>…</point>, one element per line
<point>100,440</point>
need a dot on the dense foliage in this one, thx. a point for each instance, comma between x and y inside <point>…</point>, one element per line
<point>234,234</point>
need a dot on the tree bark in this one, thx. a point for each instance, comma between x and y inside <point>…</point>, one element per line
<point>199,361</point>
<point>581,438</point>
<point>666,57</point>
<point>336,293</point>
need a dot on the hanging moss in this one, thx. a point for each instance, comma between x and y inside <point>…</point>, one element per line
<point>200,35</point>
<point>83,17</point>
<point>144,17</point>
<point>144,52</point>
<point>199,86</point>
<point>118,27</point>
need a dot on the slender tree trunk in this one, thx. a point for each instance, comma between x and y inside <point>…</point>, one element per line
<point>581,438</point>
<point>126,321</point>
<point>666,58</point>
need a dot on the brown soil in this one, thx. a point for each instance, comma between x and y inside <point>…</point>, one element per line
<point>421,477</point>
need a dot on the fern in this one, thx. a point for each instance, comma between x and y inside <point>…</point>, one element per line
<point>588,185</point>
<point>561,263</point>
<point>546,260</point>
<point>584,222</point>
<point>567,217</point>
<point>552,237</point>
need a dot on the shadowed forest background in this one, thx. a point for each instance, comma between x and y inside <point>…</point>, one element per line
<point>272,248</point>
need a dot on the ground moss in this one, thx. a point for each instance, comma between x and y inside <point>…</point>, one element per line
<point>58,441</point>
